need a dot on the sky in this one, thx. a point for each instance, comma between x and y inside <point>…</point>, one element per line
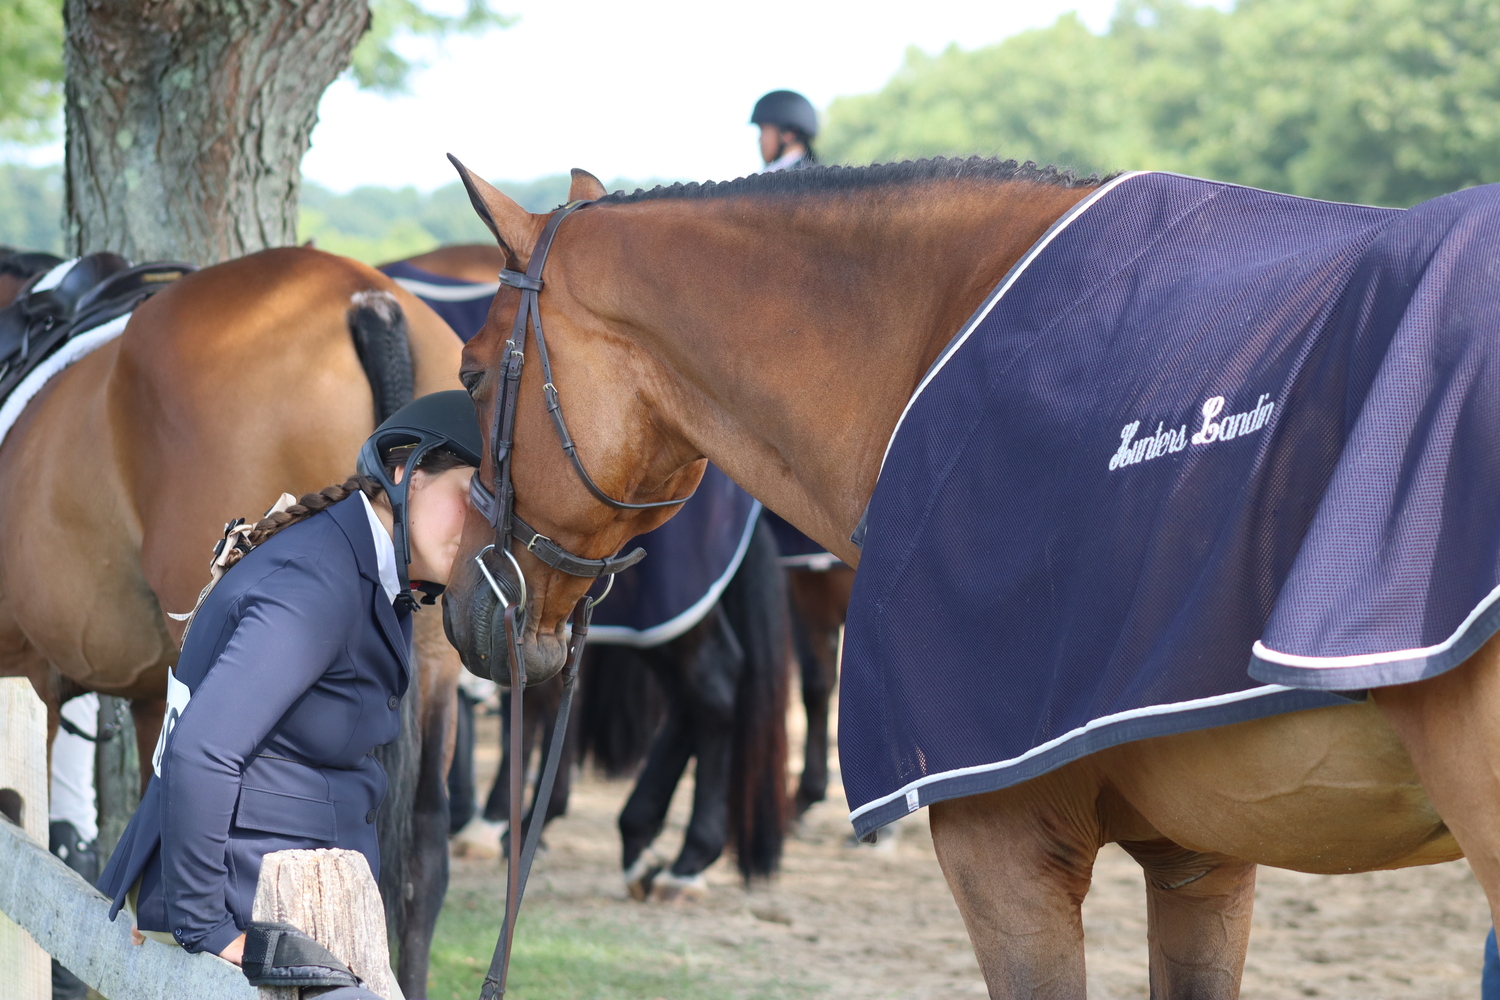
<point>661,89</point>
<point>657,89</point>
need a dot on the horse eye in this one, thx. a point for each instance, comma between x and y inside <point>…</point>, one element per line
<point>470,380</point>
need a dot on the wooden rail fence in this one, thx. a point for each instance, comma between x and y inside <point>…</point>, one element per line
<point>46,908</point>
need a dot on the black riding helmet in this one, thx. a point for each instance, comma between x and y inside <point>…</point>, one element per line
<point>786,109</point>
<point>441,420</point>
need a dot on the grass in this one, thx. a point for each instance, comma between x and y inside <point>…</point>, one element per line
<point>561,957</point>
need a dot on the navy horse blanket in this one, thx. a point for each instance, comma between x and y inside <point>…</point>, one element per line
<point>1205,455</point>
<point>690,559</point>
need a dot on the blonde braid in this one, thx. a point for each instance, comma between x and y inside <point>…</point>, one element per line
<point>239,540</point>
<point>304,508</point>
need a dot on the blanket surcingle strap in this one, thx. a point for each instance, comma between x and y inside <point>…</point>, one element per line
<point>1239,454</point>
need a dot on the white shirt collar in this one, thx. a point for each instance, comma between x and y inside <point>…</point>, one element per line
<point>784,161</point>
<point>385,552</point>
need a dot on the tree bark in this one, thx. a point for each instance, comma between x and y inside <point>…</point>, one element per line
<point>188,119</point>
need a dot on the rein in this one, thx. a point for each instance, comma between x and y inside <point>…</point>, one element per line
<point>498,507</point>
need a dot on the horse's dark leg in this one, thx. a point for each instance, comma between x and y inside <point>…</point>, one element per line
<point>710,659</point>
<point>646,810</point>
<point>427,864</point>
<point>1198,919</point>
<point>540,711</point>
<point>817,688</point>
<point>497,803</point>
<point>819,601</point>
<point>461,805</point>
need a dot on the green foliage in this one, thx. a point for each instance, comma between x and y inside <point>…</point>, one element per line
<point>371,224</point>
<point>31,207</point>
<point>1379,101</point>
<point>31,69</point>
<point>377,225</point>
<point>31,56</point>
<point>378,66</point>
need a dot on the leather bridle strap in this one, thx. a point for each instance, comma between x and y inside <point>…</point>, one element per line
<point>498,506</point>
<point>520,860</point>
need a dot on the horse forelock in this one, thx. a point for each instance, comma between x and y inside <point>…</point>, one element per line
<point>820,180</point>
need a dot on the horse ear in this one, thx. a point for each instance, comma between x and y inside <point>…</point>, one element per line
<point>512,225</point>
<point>585,187</point>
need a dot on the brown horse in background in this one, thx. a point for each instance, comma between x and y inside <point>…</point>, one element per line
<point>236,383</point>
<point>778,331</point>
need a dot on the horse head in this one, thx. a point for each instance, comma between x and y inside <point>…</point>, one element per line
<point>585,507</point>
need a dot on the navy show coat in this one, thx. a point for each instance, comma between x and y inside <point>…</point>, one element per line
<point>296,663</point>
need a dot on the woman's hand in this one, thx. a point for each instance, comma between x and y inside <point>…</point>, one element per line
<point>234,951</point>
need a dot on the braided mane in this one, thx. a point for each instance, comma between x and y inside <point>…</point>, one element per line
<point>837,180</point>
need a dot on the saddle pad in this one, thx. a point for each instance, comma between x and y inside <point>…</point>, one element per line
<point>689,561</point>
<point>463,305</point>
<point>1206,454</point>
<point>70,352</point>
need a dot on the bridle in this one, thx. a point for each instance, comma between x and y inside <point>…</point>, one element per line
<point>497,504</point>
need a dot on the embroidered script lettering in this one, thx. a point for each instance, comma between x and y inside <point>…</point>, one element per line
<point>1146,448</point>
<point>1236,424</point>
<point>1165,441</point>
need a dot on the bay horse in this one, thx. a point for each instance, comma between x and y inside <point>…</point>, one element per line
<point>237,382</point>
<point>777,326</point>
<point>713,693</point>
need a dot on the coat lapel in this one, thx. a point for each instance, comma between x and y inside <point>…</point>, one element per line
<point>352,520</point>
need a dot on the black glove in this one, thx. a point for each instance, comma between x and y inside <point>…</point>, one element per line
<point>281,955</point>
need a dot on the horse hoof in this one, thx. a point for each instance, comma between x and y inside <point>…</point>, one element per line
<point>640,876</point>
<point>670,888</point>
<point>480,840</point>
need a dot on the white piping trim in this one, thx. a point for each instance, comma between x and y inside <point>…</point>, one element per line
<point>619,635</point>
<point>984,310</point>
<point>1371,659</point>
<point>448,293</point>
<point>66,355</point>
<point>1135,713</point>
<point>54,277</point>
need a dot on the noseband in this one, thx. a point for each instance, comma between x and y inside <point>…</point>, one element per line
<point>498,508</point>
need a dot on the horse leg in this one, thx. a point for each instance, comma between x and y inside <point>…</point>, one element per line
<point>816,689</point>
<point>1019,862</point>
<point>426,864</point>
<point>461,805</point>
<point>819,602</point>
<point>645,811</point>
<point>1450,724</point>
<point>1198,909</point>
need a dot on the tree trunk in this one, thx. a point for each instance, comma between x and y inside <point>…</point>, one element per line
<point>188,120</point>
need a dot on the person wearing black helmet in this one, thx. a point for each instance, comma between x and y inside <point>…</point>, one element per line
<point>788,124</point>
<point>291,673</point>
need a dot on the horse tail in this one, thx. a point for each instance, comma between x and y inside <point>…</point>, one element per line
<point>620,708</point>
<point>755,603</point>
<point>378,327</point>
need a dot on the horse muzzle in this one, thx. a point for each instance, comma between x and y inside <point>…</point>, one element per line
<point>474,619</point>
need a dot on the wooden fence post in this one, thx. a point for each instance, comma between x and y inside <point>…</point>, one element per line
<point>331,896</point>
<point>27,970</point>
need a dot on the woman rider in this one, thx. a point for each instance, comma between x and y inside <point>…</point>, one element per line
<point>788,123</point>
<point>291,674</point>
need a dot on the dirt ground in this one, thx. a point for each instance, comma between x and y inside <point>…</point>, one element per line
<point>878,922</point>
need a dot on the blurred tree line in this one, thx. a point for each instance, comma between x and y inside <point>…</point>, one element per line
<point>372,224</point>
<point>1384,102</point>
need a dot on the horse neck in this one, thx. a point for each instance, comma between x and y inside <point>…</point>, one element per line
<point>782,338</point>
